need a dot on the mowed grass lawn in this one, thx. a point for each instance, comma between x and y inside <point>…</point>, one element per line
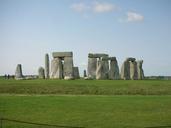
<point>86,87</point>
<point>86,103</point>
<point>88,111</point>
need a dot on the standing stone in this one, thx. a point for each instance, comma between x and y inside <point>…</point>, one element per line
<point>46,66</point>
<point>133,70</point>
<point>68,68</point>
<point>114,69</point>
<point>140,70</point>
<point>92,65</point>
<point>76,73</point>
<point>106,68</point>
<point>18,72</point>
<point>101,70</point>
<point>56,69</point>
<point>125,70</point>
<point>84,73</point>
<point>41,73</point>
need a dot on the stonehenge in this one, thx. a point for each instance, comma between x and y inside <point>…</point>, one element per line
<point>98,66</point>
<point>18,72</point>
<point>132,69</point>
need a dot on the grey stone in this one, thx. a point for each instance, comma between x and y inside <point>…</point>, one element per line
<point>97,55</point>
<point>92,65</point>
<point>84,73</point>
<point>18,72</point>
<point>56,69</point>
<point>114,69</point>
<point>133,70</point>
<point>68,67</point>
<point>140,70</point>
<point>101,72</point>
<point>62,54</point>
<point>76,73</point>
<point>46,66</point>
<point>125,70</point>
<point>41,73</point>
<point>130,59</point>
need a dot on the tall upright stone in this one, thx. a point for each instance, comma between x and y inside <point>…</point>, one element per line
<point>46,66</point>
<point>140,70</point>
<point>84,73</point>
<point>56,69</point>
<point>41,73</point>
<point>68,68</point>
<point>133,70</point>
<point>76,73</point>
<point>18,72</point>
<point>100,71</point>
<point>92,65</point>
<point>125,70</point>
<point>114,69</point>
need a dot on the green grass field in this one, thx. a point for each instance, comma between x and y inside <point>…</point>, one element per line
<point>86,103</point>
<point>86,87</point>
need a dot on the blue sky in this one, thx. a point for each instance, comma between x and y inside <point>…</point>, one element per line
<point>134,28</point>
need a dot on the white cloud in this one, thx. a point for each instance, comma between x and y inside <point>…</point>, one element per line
<point>134,17</point>
<point>94,7</point>
<point>80,7</point>
<point>104,7</point>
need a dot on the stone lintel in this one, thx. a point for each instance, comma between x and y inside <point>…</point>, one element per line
<point>62,54</point>
<point>97,55</point>
<point>109,58</point>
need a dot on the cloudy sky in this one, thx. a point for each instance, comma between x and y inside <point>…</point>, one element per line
<point>121,28</point>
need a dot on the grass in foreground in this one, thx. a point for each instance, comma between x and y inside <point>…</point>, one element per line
<point>88,111</point>
<point>86,87</point>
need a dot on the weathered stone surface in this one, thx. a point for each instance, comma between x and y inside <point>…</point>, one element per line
<point>130,59</point>
<point>125,70</point>
<point>18,72</point>
<point>92,65</point>
<point>68,67</point>
<point>46,66</point>
<point>84,73</point>
<point>97,55</point>
<point>140,70</point>
<point>114,70</point>
<point>62,54</point>
<point>76,73</point>
<point>41,73</point>
<point>101,70</point>
<point>133,70</point>
<point>56,69</point>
